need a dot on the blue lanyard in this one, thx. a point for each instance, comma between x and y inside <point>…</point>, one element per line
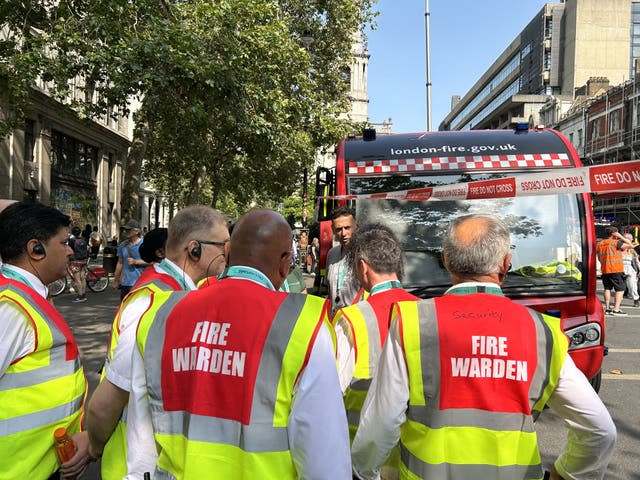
<point>13,275</point>
<point>170,269</point>
<point>388,285</point>
<point>248,273</point>
<point>285,286</point>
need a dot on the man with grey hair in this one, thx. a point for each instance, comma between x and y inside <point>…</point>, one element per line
<point>195,249</point>
<point>461,378</point>
<point>377,259</point>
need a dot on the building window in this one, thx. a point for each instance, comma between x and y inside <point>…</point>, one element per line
<point>579,137</point>
<point>614,121</point>
<point>547,60</point>
<point>548,26</point>
<point>635,38</point>
<point>72,157</point>
<point>595,131</point>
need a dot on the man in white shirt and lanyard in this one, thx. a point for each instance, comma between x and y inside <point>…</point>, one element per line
<point>42,384</point>
<point>278,409</point>
<point>455,420</point>
<point>344,288</point>
<point>195,245</point>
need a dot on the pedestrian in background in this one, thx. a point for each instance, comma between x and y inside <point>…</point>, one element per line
<point>631,269</point>
<point>461,378</point>
<point>241,378</point>
<point>314,252</point>
<point>130,265</point>
<point>195,242</point>
<point>95,240</point>
<point>344,288</point>
<point>42,383</point>
<point>86,233</point>
<point>78,264</point>
<point>610,252</point>
<point>377,259</point>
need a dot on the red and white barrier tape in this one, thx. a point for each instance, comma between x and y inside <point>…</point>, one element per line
<point>609,178</point>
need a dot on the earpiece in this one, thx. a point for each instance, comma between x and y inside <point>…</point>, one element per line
<point>38,249</point>
<point>196,251</point>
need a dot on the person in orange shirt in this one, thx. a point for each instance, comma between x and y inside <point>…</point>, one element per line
<point>610,253</point>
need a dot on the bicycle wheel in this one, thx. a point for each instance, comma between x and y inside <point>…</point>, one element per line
<point>97,282</point>
<point>57,287</point>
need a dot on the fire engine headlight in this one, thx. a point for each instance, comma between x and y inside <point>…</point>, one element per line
<point>577,339</point>
<point>587,335</point>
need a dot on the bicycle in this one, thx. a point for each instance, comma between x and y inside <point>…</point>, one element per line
<point>97,280</point>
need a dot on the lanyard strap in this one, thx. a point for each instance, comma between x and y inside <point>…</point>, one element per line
<point>475,289</point>
<point>249,274</point>
<point>13,275</point>
<point>175,274</point>
<point>388,285</point>
<point>285,286</point>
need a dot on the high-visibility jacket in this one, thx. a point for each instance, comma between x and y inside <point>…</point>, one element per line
<point>221,365</point>
<point>479,366</point>
<point>40,392</point>
<point>610,256</point>
<point>367,325</point>
<point>114,456</point>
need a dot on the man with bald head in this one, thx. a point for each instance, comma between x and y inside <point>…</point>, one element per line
<point>241,378</point>
<point>462,377</point>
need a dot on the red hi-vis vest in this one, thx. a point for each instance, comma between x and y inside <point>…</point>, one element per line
<point>611,260</point>
<point>114,456</point>
<point>221,364</point>
<point>39,392</point>
<point>479,366</point>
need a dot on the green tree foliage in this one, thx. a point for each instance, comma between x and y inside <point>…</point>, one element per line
<point>234,104</point>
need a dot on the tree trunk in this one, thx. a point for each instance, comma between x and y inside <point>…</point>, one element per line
<point>196,184</point>
<point>133,168</point>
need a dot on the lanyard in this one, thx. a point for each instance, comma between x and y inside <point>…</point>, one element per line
<point>249,274</point>
<point>475,289</point>
<point>13,275</point>
<point>384,286</point>
<point>171,270</point>
<point>285,286</point>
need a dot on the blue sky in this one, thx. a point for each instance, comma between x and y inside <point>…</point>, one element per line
<point>466,37</point>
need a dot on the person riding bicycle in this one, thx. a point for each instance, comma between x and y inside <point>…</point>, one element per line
<point>78,263</point>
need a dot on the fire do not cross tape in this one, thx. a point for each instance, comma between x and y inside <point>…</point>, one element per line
<point>601,179</point>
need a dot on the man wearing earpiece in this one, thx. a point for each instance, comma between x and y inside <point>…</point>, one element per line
<point>42,384</point>
<point>194,249</point>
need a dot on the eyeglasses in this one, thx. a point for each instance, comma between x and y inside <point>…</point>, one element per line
<point>211,242</point>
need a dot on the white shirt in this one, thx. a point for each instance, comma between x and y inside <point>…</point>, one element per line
<point>318,431</point>
<point>141,450</point>
<point>17,336</point>
<point>343,284</point>
<point>590,440</point>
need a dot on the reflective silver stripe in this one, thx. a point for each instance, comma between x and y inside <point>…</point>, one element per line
<point>429,351</point>
<point>373,332</point>
<point>163,475</point>
<point>353,417</point>
<point>40,418</point>
<point>154,345</point>
<point>360,384</point>
<point>58,367</point>
<point>452,471</point>
<point>544,340</point>
<point>259,435</point>
<point>470,417</point>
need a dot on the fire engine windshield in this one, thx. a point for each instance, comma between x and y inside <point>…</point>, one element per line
<point>546,234</point>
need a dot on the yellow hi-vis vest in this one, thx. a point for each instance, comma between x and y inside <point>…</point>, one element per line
<point>113,465</point>
<point>488,444</point>
<point>362,327</point>
<point>39,392</point>
<point>192,446</point>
